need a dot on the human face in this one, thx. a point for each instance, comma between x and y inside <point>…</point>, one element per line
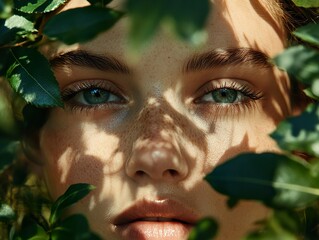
<point>146,132</point>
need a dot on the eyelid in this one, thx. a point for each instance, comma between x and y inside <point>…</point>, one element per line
<point>75,88</point>
<point>236,84</point>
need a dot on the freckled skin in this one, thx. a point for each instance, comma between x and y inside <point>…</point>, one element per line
<point>160,144</point>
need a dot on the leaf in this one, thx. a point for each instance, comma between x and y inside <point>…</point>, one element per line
<point>72,195</point>
<point>281,225</point>
<point>32,77</point>
<point>80,24</point>
<point>300,133</point>
<point>146,17</point>
<point>30,230</point>
<point>274,179</point>
<point>37,6</point>
<point>308,33</point>
<point>6,213</point>
<point>74,227</point>
<point>5,8</point>
<point>306,3</point>
<point>187,17</point>
<point>14,29</point>
<point>300,62</point>
<point>205,229</point>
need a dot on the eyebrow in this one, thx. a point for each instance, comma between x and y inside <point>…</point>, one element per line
<point>227,57</point>
<point>86,59</point>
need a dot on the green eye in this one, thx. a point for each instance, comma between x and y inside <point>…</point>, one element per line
<point>95,96</point>
<point>223,96</point>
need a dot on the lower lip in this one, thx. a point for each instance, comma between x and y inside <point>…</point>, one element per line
<point>145,230</point>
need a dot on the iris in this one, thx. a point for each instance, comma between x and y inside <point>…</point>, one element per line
<point>224,95</point>
<point>96,96</point>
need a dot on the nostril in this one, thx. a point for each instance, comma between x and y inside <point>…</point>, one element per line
<point>139,173</point>
<point>171,172</point>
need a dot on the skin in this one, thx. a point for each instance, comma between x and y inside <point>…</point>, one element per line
<point>162,133</point>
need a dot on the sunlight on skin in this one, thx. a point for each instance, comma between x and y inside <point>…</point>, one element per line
<point>159,142</point>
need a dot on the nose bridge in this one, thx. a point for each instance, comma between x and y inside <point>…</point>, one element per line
<point>156,121</point>
<point>155,154</point>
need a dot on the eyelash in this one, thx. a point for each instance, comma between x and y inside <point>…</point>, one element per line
<point>247,91</point>
<point>72,91</point>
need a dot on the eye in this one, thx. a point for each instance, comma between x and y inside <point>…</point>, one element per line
<point>224,96</point>
<point>89,94</point>
<point>227,93</point>
<point>94,96</point>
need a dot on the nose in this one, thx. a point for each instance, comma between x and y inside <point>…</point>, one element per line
<point>157,161</point>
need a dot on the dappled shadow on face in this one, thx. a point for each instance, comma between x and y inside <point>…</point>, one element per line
<point>154,124</point>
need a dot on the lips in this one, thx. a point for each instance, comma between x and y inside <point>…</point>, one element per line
<point>160,219</point>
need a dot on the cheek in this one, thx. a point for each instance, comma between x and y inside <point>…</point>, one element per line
<point>243,135</point>
<point>77,154</point>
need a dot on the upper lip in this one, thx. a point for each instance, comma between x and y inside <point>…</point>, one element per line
<point>157,210</point>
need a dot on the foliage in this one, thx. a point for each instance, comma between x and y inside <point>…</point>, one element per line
<point>288,185</point>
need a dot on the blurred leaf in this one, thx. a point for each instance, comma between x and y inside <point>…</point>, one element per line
<point>274,179</point>
<point>80,24</point>
<point>308,33</point>
<point>6,213</point>
<point>8,151</point>
<point>75,227</point>
<point>5,8</point>
<point>300,133</point>
<point>72,195</point>
<point>30,230</point>
<point>205,229</point>
<point>37,6</point>
<point>146,17</point>
<point>187,17</point>
<point>14,28</point>
<point>300,62</point>
<point>100,3</point>
<point>306,3</point>
<point>282,225</point>
<point>32,77</point>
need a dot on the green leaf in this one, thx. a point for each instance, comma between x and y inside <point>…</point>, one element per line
<point>187,17</point>
<point>80,24</point>
<point>37,6</point>
<point>14,29</point>
<point>72,195</point>
<point>281,225</point>
<point>306,3</point>
<point>31,76</point>
<point>205,229</point>
<point>74,227</point>
<point>274,179</point>
<point>308,33</point>
<point>300,133</point>
<point>146,17</point>
<point>300,62</point>
<point>30,230</point>
<point>8,151</point>
<point>5,8</point>
<point>6,213</point>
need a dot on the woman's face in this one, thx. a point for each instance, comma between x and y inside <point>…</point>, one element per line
<point>146,132</point>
